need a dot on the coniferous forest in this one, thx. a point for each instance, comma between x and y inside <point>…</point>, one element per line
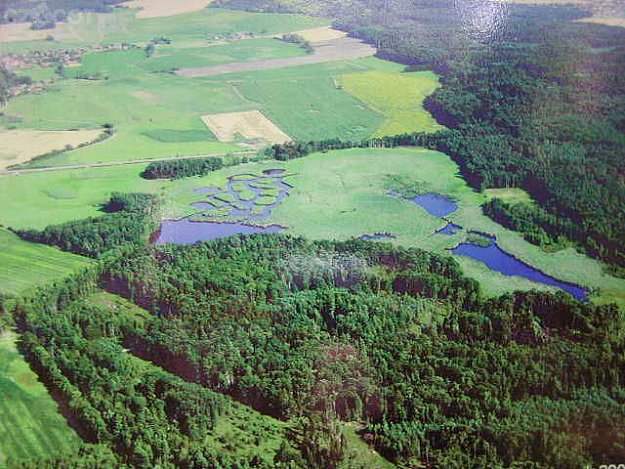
<point>321,333</point>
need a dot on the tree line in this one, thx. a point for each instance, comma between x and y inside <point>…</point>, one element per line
<point>128,219</point>
<point>316,333</point>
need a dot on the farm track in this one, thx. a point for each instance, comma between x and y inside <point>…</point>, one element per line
<point>18,172</point>
<point>345,48</point>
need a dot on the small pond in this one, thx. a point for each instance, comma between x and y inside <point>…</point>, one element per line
<point>372,237</point>
<point>450,229</point>
<point>500,261</point>
<point>190,232</point>
<point>435,204</point>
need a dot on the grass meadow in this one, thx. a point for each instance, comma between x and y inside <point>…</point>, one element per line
<point>400,103</point>
<point>359,454</point>
<point>336,195</point>
<point>60,196</point>
<point>26,265</point>
<point>343,194</point>
<point>30,423</point>
<point>511,195</point>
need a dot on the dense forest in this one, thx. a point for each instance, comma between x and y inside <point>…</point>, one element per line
<point>533,99</point>
<point>318,333</point>
<point>178,169</point>
<point>45,14</point>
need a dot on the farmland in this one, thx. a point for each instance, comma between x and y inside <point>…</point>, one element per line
<point>229,126</point>
<point>30,424</point>
<point>158,8</point>
<point>159,115</point>
<point>25,265</point>
<point>19,146</point>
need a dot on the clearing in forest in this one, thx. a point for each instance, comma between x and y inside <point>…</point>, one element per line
<point>250,125</point>
<point>160,8</point>
<point>30,424</point>
<point>608,21</point>
<point>20,146</point>
<point>398,97</point>
<point>512,195</point>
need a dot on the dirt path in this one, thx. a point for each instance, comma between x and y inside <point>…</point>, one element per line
<point>18,172</point>
<point>345,48</point>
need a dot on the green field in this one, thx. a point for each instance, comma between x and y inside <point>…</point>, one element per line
<point>336,195</point>
<point>25,265</point>
<point>511,195</point>
<point>399,98</point>
<point>59,196</point>
<point>359,454</point>
<point>30,424</point>
<point>157,113</point>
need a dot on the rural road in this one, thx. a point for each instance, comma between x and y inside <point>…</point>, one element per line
<point>344,48</point>
<point>18,172</point>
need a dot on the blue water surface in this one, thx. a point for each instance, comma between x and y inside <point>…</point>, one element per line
<point>500,261</point>
<point>435,204</point>
<point>450,230</point>
<point>187,232</point>
<point>371,237</point>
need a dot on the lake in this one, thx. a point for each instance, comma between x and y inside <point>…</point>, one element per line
<point>500,261</point>
<point>435,204</point>
<point>190,232</point>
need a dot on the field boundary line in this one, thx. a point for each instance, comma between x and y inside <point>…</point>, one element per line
<point>18,172</point>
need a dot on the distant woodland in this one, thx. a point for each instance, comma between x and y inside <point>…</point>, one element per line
<point>45,14</point>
